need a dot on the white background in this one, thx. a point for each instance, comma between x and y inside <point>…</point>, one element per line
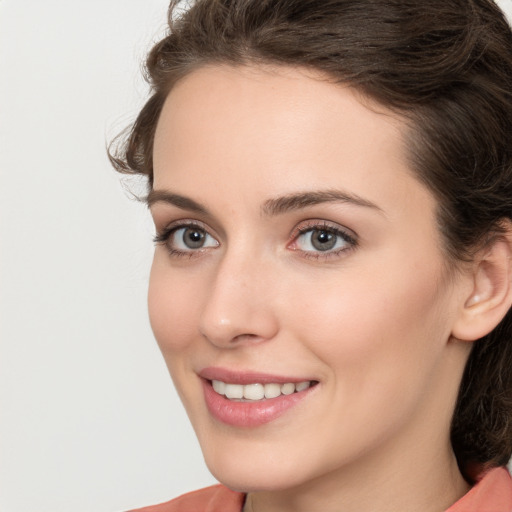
<point>89,421</point>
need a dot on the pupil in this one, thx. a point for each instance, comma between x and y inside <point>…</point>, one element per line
<point>323,240</point>
<point>193,238</point>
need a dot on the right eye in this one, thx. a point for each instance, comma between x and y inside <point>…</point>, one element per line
<point>186,239</point>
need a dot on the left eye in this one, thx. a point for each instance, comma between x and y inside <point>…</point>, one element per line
<point>322,240</point>
<point>189,238</point>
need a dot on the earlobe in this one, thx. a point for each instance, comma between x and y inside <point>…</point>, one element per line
<point>491,293</point>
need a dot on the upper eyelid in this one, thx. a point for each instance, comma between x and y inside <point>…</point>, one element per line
<point>312,224</point>
<point>183,223</point>
<point>162,235</point>
<point>214,230</point>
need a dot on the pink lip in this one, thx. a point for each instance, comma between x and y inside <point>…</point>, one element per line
<point>248,414</point>
<point>246,377</point>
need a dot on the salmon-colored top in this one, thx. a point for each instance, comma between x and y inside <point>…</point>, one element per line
<point>216,498</point>
<point>493,493</point>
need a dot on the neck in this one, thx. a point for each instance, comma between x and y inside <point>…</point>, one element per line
<point>416,486</point>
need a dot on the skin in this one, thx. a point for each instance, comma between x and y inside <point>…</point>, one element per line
<point>372,323</point>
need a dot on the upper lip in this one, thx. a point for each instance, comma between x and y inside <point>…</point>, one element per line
<point>246,377</point>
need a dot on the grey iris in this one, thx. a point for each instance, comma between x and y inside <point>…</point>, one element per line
<point>323,240</point>
<point>193,238</point>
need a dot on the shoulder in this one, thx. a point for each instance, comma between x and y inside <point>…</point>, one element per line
<point>493,493</point>
<point>216,498</point>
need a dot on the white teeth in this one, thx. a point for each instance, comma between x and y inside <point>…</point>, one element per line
<point>254,391</point>
<point>219,386</point>
<point>301,386</point>
<point>288,388</point>
<point>234,391</point>
<point>272,390</point>
<point>258,391</point>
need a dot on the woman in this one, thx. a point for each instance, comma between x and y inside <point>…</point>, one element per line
<point>331,186</point>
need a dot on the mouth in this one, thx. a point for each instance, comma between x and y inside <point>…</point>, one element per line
<point>252,399</point>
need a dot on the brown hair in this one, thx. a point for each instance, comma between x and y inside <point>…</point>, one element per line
<point>446,67</point>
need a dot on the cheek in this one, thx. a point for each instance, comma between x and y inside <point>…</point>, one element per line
<point>380,337</point>
<point>387,323</point>
<point>172,303</point>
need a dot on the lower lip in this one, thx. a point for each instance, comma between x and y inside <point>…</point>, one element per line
<point>249,414</point>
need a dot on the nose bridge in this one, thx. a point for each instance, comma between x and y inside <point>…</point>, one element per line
<point>239,305</point>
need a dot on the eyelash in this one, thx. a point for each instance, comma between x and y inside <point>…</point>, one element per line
<point>317,225</point>
<point>310,226</point>
<point>163,239</point>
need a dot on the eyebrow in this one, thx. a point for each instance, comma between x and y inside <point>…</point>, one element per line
<point>183,202</point>
<point>271,207</point>
<point>300,200</point>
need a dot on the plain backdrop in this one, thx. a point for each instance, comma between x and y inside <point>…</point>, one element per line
<point>89,421</point>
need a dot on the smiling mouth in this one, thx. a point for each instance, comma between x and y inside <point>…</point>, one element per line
<point>251,399</point>
<point>258,391</point>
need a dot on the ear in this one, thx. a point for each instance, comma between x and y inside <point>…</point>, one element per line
<point>491,290</point>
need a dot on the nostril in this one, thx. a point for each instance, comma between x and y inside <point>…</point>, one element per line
<point>247,337</point>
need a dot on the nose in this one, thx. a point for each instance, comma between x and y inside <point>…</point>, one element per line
<point>239,308</point>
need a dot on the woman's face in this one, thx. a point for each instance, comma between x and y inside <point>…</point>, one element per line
<point>295,246</point>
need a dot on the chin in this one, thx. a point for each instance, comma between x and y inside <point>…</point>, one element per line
<point>252,479</point>
<point>242,471</point>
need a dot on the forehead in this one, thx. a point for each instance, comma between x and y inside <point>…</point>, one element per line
<point>274,103</point>
<point>275,131</point>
